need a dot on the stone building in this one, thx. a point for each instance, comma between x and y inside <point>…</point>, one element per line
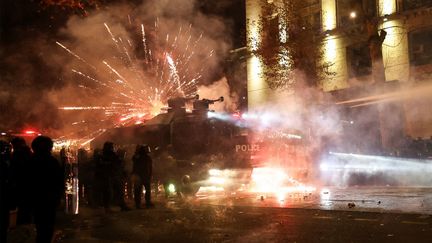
<point>401,98</point>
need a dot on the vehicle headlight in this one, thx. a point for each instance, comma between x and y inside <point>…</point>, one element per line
<point>171,188</point>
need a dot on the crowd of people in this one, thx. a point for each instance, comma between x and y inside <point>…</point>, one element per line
<point>33,181</point>
<point>107,184</point>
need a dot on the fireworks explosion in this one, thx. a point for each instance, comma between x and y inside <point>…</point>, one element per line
<point>142,74</point>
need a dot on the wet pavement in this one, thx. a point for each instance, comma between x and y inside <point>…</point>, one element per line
<point>379,215</point>
<point>370,199</point>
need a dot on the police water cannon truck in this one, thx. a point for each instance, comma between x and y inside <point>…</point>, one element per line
<point>185,145</point>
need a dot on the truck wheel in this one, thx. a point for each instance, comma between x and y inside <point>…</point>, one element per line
<point>188,187</point>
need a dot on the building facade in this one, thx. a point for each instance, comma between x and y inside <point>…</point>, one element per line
<point>406,54</point>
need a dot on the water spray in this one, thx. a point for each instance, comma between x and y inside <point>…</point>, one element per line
<point>340,168</point>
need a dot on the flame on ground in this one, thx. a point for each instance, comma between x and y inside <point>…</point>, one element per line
<point>276,181</point>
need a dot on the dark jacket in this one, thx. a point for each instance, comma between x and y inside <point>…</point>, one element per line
<point>105,165</point>
<point>46,180</point>
<point>21,170</point>
<point>142,165</point>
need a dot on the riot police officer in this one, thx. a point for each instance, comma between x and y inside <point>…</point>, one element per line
<point>106,172</point>
<point>47,179</point>
<point>142,169</point>
<point>104,168</point>
<point>119,179</point>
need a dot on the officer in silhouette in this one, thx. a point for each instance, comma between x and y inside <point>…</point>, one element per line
<point>142,169</point>
<point>47,187</point>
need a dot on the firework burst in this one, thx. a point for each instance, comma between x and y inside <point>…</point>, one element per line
<point>144,71</point>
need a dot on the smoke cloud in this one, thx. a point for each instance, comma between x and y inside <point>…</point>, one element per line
<point>216,90</point>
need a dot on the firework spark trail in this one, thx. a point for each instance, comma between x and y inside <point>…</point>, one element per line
<point>93,79</point>
<point>125,51</point>
<point>173,65</point>
<point>174,45</point>
<point>185,85</point>
<point>76,108</point>
<point>187,46</point>
<point>144,42</point>
<point>102,84</point>
<point>78,122</point>
<point>75,55</point>
<point>129,19</point>
<point>183,55</point>
<point>122,51</point>
<point>117,73</point>
<point>188,33</point>
<point>173,69</point>
<point>133,64</point>
<point>92,136</point>
<point>97,81</point>
<point>112,36</point>
<point>130,43</point>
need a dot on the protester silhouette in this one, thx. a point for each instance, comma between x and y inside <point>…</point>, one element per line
<point>46,188</point>
<point>142,169</point>
<point>20,164</point>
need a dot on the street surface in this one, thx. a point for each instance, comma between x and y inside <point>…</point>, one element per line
<point>378,215</point>
<point>373,199</point>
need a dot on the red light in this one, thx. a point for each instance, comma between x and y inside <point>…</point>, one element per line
<point>31,133</point>
<point>236,115</point>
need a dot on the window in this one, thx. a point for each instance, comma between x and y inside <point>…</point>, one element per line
<point>313,21</point>
<point>358,60</point>
<point>420,44</point>
<point>413,4</point>
<point>347,12</point>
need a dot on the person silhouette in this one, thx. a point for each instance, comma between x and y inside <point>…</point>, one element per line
<point>47,187</point>
<point>142,169</point>
<point>20,160</point>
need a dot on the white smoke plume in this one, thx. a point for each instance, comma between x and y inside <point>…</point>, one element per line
<point>216,90</point>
